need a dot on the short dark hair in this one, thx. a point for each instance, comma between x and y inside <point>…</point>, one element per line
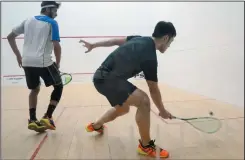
<point>163,28</point>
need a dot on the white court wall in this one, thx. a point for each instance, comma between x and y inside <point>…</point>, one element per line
<point>207,56</point>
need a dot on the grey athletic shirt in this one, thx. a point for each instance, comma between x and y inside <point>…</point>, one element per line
<point>39,32</point>
<point>134,56</point>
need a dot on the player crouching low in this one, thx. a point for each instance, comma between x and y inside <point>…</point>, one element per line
<point>134,55</point>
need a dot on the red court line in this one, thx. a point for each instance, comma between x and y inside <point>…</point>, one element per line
<point>74,37</point>
<point>38,147</point>
<point>22,75</point>
<point>44,139</point>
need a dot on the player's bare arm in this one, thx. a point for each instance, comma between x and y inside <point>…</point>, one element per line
<point>155,94</point>
<point>12,42</point>
<point>150,71</point>
<point>105,43</point>
<point>149,68</point>
<point>56,41</point>
<point>157,99</point>
<point>57,52</point>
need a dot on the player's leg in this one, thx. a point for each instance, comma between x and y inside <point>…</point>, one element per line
<point>33,83</point>
<point>108,88</point>
<point>108,116</point>
<point>146,145</point>
<point>122,94</point>
<point>51,76</point>
<point>111,115</point>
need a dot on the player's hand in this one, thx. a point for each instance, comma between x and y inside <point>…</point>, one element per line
<point>19,60</point>
<point>86,44</point>
<point>165,114</point>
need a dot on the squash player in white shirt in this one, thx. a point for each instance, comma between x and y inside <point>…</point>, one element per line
<point>41,36</point>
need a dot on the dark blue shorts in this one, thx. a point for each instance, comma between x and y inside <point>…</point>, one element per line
<point>50,76</point>
<point>116,91</point>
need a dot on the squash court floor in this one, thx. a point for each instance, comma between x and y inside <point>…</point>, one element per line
<point>82,104</point>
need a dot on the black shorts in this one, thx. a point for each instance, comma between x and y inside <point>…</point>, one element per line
<point>50,76</point>
<point>116,91</point>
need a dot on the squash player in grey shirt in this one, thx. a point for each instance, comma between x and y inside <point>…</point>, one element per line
<point>41,35</point>
<point>134,55</point>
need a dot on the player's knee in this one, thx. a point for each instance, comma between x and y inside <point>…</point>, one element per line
<point>57,93</point>
<point>145,103</point>
<point>124,111</point>
<point>35,91</point>
<point>141,100</point>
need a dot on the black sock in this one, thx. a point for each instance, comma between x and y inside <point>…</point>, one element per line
<point>32,112</point>
<point>50,110</point>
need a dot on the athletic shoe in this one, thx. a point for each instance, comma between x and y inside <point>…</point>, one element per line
<point>36,126</point>
<point>90,128</point>
<point>150,150</point>
<point>48,122</point>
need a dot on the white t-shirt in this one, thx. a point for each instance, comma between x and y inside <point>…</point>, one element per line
<point>39,32</point>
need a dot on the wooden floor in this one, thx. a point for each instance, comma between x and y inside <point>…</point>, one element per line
<point>82,104</point>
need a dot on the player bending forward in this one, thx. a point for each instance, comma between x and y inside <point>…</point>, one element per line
<point>134,54</point>
<point>41,36</point>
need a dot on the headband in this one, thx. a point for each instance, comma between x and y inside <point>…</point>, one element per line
<point>51,5</point>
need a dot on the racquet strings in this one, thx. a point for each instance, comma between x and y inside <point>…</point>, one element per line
<point>66,78</point>
<point>205,124</point>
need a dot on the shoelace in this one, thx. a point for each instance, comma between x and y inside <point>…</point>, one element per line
<point>152,145</point>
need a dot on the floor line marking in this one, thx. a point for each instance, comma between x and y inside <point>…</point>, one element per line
<point>44,139</point>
